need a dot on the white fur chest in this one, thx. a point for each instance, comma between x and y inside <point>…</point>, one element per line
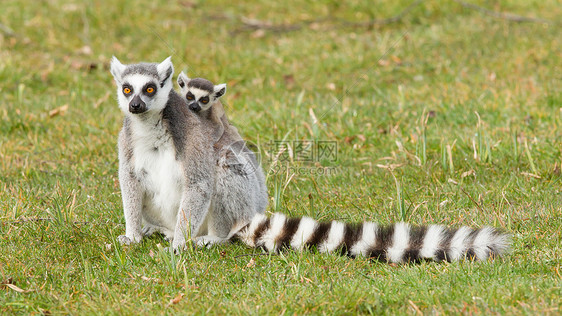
<point>156,166</point>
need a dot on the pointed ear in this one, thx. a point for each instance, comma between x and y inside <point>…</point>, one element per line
<point>117,69</point>
<point>219,90</point>
<point>165,70</point>
<point>183,80</point>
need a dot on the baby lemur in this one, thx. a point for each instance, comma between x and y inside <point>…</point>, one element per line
<point>203,98</point>
<point>170,173</point>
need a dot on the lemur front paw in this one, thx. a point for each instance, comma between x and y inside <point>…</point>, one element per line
<point>148,230</point>
<point>124,240</point>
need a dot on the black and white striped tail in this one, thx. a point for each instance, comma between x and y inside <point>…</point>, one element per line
<point>397,243</point>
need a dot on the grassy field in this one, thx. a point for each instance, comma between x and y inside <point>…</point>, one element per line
<point>448,115</point>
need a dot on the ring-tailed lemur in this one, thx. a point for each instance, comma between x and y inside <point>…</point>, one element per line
<point>203,98</point>
<point>169,177</point>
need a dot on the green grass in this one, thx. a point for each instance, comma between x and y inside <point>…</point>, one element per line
<point>448,116</point>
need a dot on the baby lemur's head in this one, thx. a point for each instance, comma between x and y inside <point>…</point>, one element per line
<point>200,93</point>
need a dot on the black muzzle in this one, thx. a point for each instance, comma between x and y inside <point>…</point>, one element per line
<point>137,105</point>
<point>194,107</point>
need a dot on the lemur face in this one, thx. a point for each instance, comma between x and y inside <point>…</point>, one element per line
<point>142,87</point>
<point>200,93</point>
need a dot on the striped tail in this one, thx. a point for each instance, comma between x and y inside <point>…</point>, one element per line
<point>397,243</point>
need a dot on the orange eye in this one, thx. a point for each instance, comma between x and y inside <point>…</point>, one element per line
<point>126,90</point>
<point>149,89</point>
<point>189,97</point>
<point>204,101</point>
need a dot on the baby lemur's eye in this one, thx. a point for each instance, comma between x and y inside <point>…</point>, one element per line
<point>204,100</point>
<point>189,96</point>
<point>127,90</point>
<point>150,89</point>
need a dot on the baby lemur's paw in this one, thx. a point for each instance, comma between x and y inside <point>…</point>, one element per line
<point>124,240</point>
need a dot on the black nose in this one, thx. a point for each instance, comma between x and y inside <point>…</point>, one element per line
<point>137,105</point>
<point>195,107</point>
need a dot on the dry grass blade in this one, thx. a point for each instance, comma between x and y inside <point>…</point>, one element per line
<point>16,288</point>
<point>58,111</point>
